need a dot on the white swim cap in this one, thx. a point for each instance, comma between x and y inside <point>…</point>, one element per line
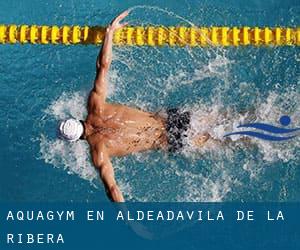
<point>70,130</point>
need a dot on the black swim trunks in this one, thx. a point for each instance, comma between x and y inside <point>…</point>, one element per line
<point>177,125</point>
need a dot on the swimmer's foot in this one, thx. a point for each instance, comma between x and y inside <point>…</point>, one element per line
<point>200,140</point>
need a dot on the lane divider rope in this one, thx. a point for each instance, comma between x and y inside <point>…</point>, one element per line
<point>152,35</point>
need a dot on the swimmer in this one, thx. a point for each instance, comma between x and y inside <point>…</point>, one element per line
<point>114,130</point>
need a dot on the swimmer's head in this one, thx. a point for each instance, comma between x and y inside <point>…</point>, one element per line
<point>70,130</point>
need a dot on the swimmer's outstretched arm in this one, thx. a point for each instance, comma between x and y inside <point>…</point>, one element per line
<point>105,56</point>
<point>103,164</point>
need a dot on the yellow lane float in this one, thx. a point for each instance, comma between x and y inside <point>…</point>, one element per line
<point>152,35</point>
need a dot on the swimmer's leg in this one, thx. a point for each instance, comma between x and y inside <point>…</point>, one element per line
<point>200,140</point>
<point>203,138</point>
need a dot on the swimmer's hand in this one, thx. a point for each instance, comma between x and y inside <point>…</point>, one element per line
<point>115,24</point>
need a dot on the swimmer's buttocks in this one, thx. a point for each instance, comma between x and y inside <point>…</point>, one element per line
<point>177,124</point>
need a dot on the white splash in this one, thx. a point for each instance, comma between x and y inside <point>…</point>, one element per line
<point>217,121</point>
<point>68,105</point>
<point>72,157</point>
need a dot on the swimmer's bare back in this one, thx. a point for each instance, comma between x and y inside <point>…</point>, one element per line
<point>123,130</point>
<point>113,129</point>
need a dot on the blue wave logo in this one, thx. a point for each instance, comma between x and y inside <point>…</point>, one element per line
<point>279,133</point>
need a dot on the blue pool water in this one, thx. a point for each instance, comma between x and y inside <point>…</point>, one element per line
<point>42,84</point>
